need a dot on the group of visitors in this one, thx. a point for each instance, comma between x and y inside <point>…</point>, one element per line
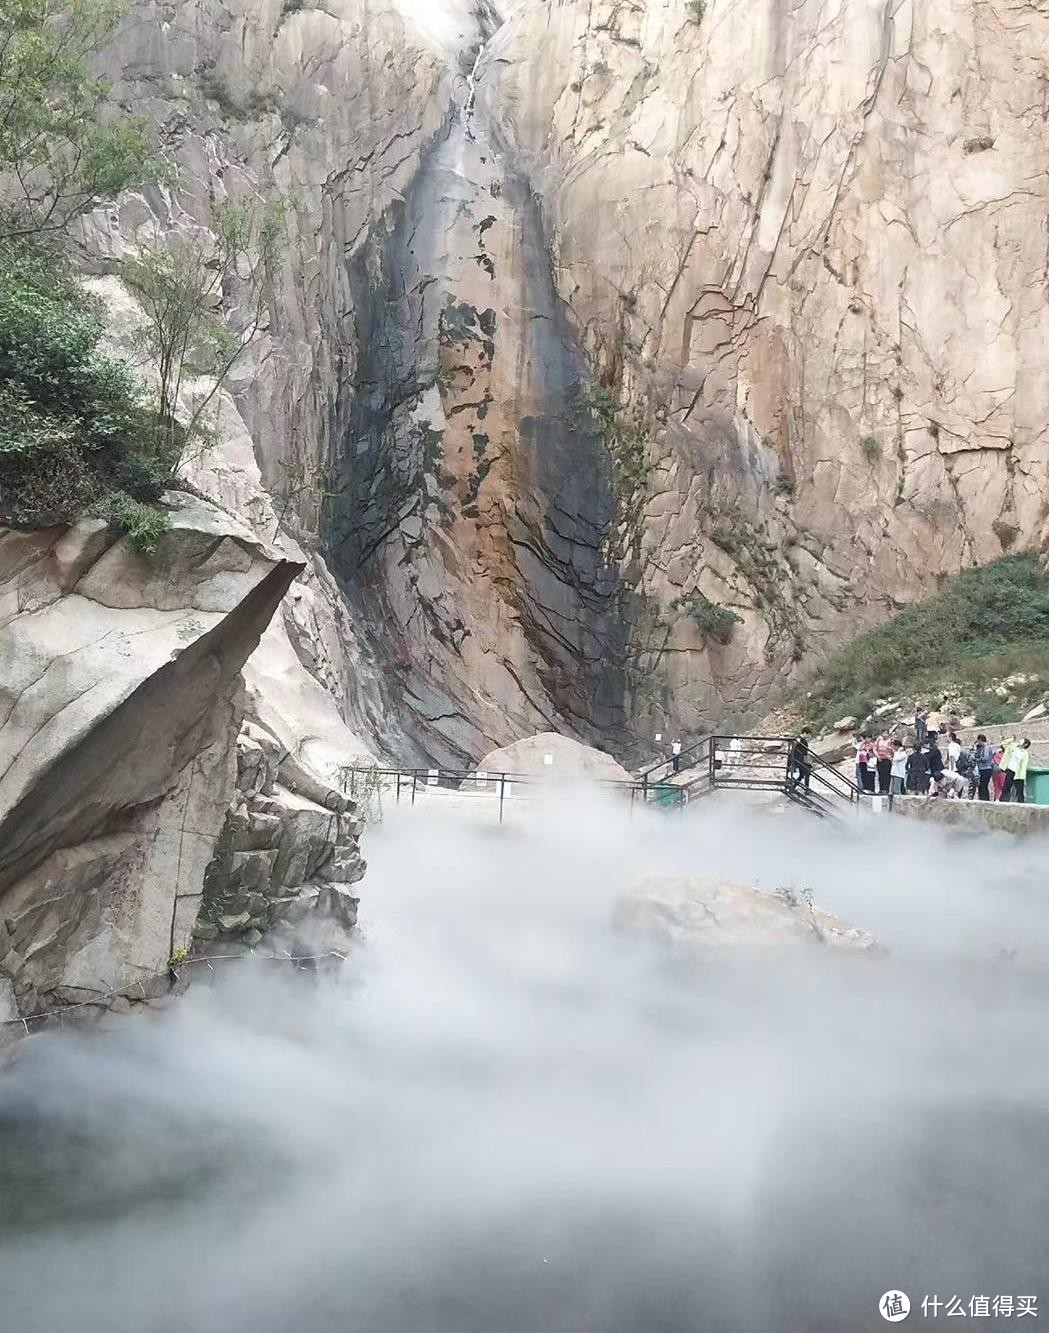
<point>891,765</point>
<point>918,766</point>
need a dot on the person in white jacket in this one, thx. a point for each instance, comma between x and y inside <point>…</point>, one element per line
<point>898,773</point>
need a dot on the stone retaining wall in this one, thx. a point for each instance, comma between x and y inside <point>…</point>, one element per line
<point>975,815</point>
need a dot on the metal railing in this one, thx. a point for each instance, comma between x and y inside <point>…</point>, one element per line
<point>713,763</point>
<point>693,756</point>
<point>756,763</point>
<point>408,784</point>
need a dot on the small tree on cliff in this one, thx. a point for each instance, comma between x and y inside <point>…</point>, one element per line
<point>63,148</point>
<point>180,283</point>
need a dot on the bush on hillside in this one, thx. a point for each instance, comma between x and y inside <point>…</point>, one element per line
<point>987,612</point>
<point>144,525</point>
<point>74,423</point>
<point>714,622</point>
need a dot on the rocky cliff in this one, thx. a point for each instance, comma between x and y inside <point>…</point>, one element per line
<point>620,358</point>
<point>624,356</point>
<point>135,816</point>
<point>805,247</point>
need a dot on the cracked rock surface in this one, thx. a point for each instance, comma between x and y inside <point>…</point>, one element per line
<point>120,704</point>
<point>808,241</point>
<point>801,247</point>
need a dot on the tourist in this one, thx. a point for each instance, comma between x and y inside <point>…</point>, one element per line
<point>965,765</point>
<point>1016,773</point>
<point>984,758</point>
<point>884,749</point>
<point>921,727</point>
<point>898,772</point>
<point>861,762</point>
<point>800,762</point>
<point>935,759</point>
<point>1001,762</point>
<point>675,755</point>
<point>954,750</point>
<point>917,772</point>
<point>953,785</point>
<point>870,770</point>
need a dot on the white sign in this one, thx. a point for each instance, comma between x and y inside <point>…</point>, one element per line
<point>432,779</point>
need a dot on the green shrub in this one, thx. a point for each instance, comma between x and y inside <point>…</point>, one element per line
<point>870,448</point>
<point>697,10</point>
<point>714,622</point>
<point>994,713</point>
<point>215,87</point>
<point>979,620</point>
<point>143,524</point>
<point>1006,533</point>
<point>73,421</point>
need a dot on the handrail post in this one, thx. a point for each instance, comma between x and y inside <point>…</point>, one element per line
<point>415,779</point>
<point>398,798</point>
<point>502,794</point>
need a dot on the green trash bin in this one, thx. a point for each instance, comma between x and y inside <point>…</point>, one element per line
<point>1037,791</point>
<point>669,798</point>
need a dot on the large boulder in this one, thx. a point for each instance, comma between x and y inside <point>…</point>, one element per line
<point>704,916</point>
<point>550,755</point>
<point>120,704</point>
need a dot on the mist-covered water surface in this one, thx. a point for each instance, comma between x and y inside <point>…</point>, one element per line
<point>504,1116</point>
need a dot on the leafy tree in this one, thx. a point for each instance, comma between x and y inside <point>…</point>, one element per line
<point>73,421</point>
<point>180,283</point>
<point>61,152</point>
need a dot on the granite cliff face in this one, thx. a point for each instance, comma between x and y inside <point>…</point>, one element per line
<point>414,404</point>
<point>600,321</point>
<point>805,244</point>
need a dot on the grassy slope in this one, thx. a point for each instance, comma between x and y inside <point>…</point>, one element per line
<point>983,624</point>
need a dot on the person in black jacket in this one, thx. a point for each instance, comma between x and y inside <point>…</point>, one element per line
<point>800,762</point>
<point>917,772</point>
<point>934,759</point>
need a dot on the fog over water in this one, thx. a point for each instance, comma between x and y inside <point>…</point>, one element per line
<point>504,1116</point>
